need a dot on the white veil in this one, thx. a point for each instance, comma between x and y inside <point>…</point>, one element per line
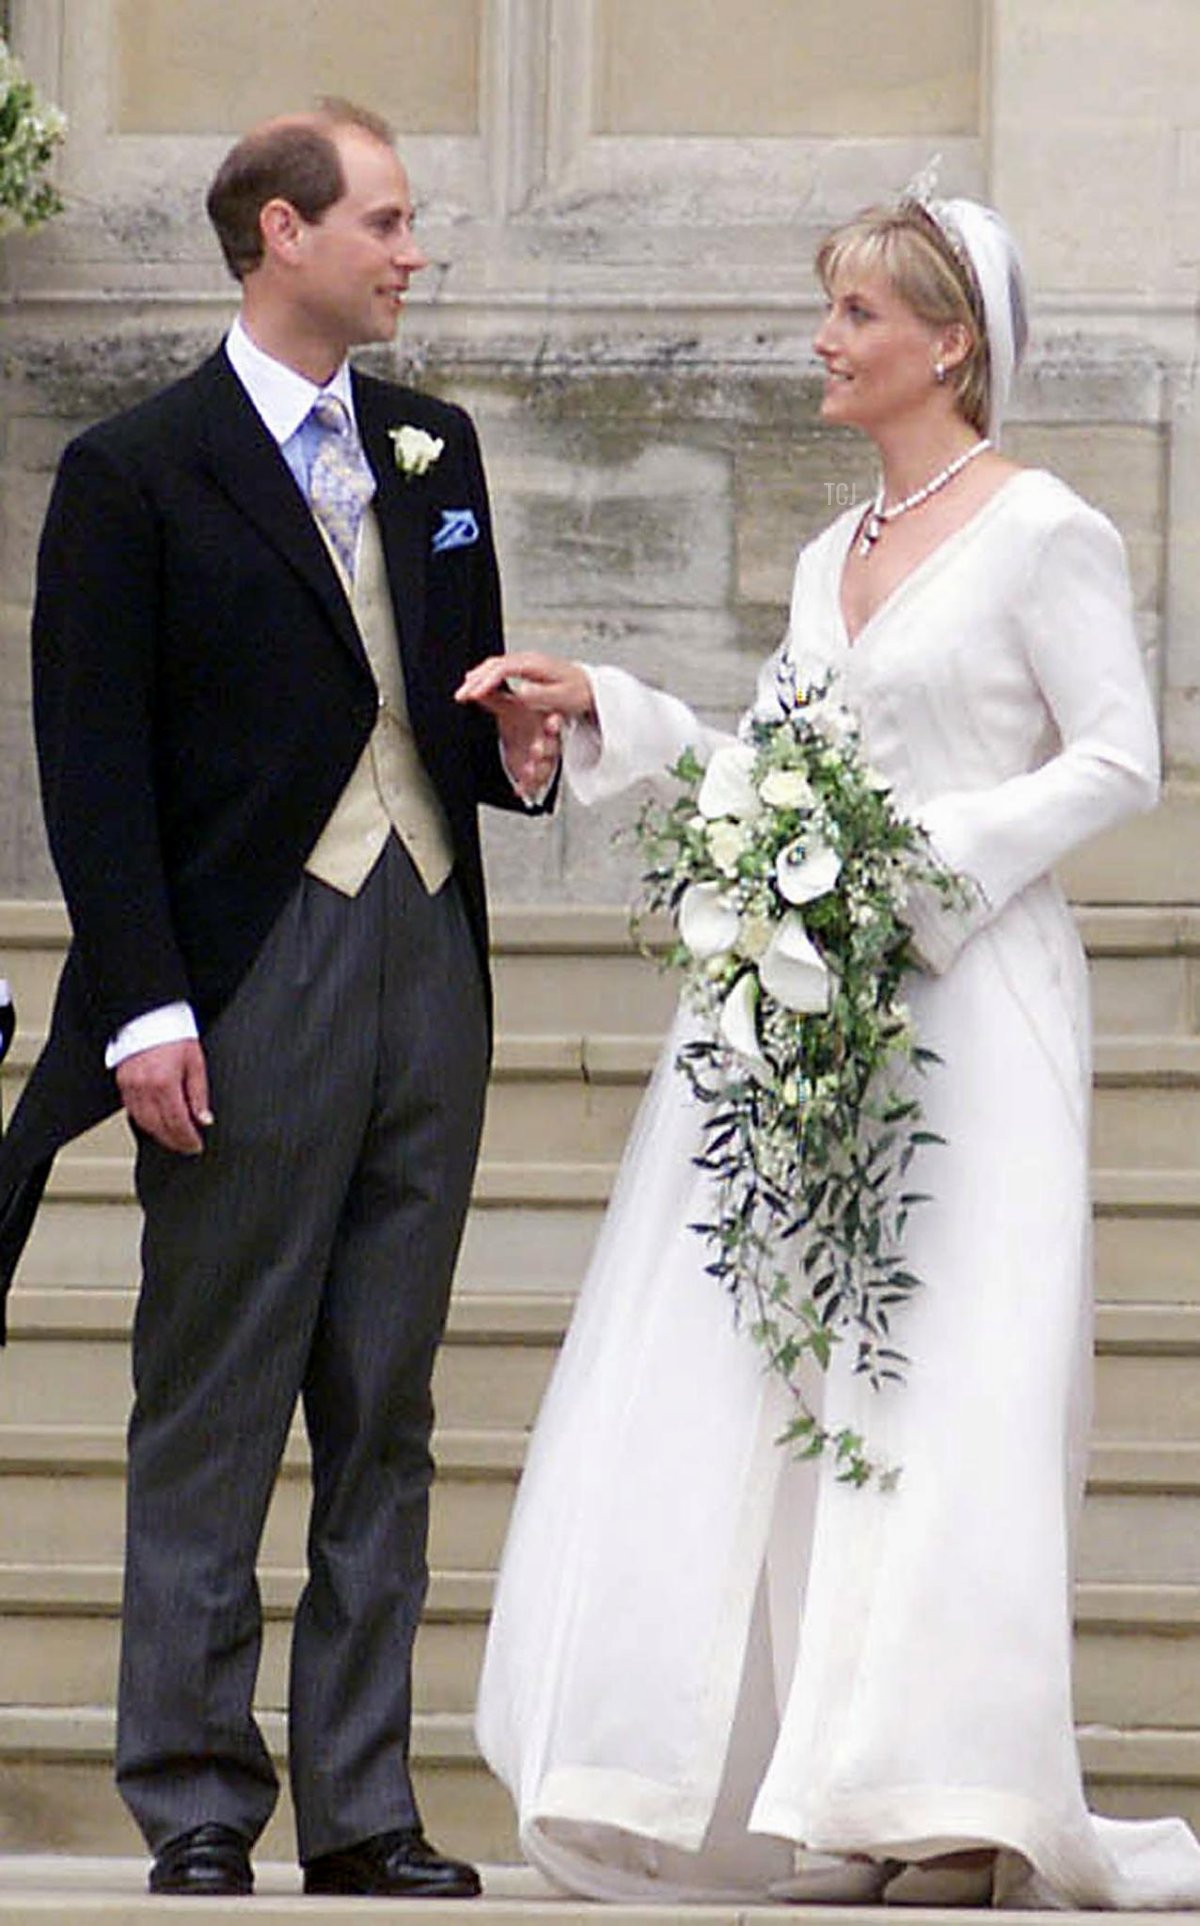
<point>979,233</point>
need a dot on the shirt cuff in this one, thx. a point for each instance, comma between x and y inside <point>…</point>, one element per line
<point>170,1023</point>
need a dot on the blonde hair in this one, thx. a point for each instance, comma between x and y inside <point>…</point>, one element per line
<point>906,243</point>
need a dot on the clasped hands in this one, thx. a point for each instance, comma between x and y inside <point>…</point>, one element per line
<point>531,696</point>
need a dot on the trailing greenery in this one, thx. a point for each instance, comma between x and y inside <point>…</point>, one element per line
<point>30,131</point>
<point>787,865</point>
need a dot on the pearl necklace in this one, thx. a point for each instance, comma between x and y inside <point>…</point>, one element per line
<point>878,515</point>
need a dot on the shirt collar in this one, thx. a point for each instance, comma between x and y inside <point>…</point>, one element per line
<point>282,397</point>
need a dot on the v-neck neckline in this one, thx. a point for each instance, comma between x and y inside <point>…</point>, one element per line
<point>937,553</point>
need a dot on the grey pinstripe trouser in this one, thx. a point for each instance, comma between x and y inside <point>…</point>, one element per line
<point>308,1253</point>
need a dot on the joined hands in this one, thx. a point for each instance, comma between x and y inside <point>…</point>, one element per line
<point>531,696</point>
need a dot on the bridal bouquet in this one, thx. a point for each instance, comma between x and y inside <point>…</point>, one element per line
<point>30,130</point>
<point>786,864</point>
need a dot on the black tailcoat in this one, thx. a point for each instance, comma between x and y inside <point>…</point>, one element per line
<point>201,697</point>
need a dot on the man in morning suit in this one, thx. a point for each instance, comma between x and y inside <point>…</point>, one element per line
<point>255,600</point>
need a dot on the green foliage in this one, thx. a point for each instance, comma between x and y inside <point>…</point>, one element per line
<point>811,1122</point>
<point>30,131</point>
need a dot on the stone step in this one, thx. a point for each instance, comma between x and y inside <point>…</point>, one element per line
<point>532,1226</point>
<point>1145,1250</point>
<point>1147,1374</point>
<point>1137,1656</point>
<point>1141,1520</point>
<point>580,1014</point>
<point>556,970</point>
<point>67,1358</point>
<point>1137,1646</point>
<point>67,1361</point>
<point>572,1098</point>
<point>62,1500</point>
<point>56,1784</point>
<point>82,1176</point>
<point>1146,1106</point>
<point>566,1097</point>
<point>62,1497</point>
<point>57,1791</point>
<point>1143,1773</point>
<point>538,1245</point>
<point>59,1634</point>
<point>1145,968</point>
<point>565,969</point>
<point>43,1890</point>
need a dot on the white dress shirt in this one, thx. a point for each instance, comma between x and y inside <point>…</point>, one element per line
<point>284,400</point>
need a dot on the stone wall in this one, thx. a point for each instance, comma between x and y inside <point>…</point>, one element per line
<point>621,201</point>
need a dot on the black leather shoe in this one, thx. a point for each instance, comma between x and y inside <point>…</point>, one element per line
<point>210,1859</point>
<point>392,1865</point>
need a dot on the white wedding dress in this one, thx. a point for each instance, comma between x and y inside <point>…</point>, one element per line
<point>704,1653</point>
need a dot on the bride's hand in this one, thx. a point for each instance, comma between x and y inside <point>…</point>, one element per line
<point>543,683</point>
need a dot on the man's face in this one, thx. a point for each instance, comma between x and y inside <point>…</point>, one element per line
<point>357,259</point>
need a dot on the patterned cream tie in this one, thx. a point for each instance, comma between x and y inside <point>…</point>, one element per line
<point>340,484</point>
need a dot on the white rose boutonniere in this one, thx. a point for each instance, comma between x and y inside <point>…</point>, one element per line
<point>415,450</point>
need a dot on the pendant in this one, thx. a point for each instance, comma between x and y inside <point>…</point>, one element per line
<point>872,529</point>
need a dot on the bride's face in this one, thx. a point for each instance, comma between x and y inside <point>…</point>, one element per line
<point>879,356</point>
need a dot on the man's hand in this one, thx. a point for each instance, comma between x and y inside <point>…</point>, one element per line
<point>529,695</point>
<point>530,747</point>
<point>165,1093</point>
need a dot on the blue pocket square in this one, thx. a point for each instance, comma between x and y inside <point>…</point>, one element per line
<point>458,530</point>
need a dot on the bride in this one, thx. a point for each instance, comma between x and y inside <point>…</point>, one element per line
<point>714,1671</point>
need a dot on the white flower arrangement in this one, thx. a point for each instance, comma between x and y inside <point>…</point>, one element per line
<point>30,131</point>
<point>415,450</point>
<point>787,864</point>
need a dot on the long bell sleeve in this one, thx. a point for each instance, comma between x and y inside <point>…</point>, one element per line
<point>1081,649</point>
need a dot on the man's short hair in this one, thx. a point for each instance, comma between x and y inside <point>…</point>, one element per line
<point>295,160</point>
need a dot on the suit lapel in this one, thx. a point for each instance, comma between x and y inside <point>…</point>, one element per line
<point>401,507</point>
<point>246,462</point>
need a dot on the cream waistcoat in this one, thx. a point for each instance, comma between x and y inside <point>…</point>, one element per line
<point>390,788</point>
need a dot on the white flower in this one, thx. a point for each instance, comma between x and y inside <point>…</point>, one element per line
<point>727,789</point>
<point>834,721</point>
<point>804,871</point>
<point>738,1020</point>
<point>754,933</point>
<point>786,789</point>
<point>876,778</point>
<point>727,840</point>
<point>792,968</point>
<point>414,450</point>
<point>708,922</point>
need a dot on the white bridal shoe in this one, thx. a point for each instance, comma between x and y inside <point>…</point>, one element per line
<point>918,1885</point>
<point>833,1879</point>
